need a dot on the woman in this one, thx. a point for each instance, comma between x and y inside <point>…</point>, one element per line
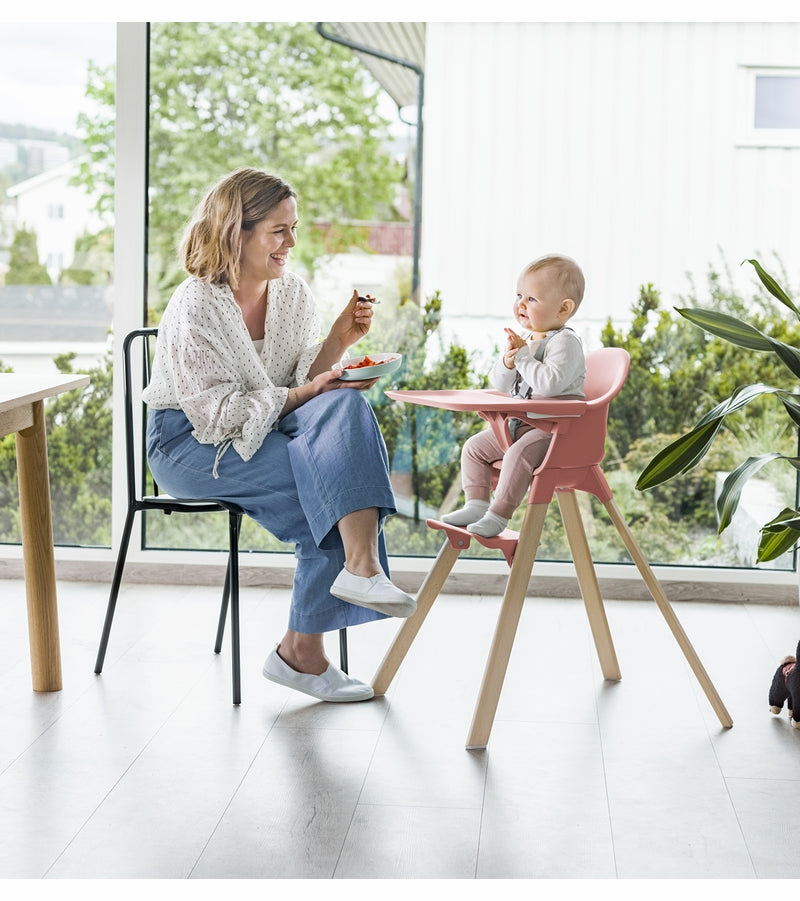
<point>246,405</point>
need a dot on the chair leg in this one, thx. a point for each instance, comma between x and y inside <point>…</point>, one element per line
<point>343,662</point>
<point>234,523</point>
<point>223,610</point>
<point>429,591</point>
<point>506,629</point>
<point>669,614</point>
<point>114,593</point>
<point>587,580</point>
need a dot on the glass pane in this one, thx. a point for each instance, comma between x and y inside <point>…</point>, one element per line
<point>777,101</point>
<point>279,97</point>
<point>56,258</point>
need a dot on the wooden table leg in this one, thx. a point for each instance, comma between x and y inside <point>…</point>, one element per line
<point>37,549</point>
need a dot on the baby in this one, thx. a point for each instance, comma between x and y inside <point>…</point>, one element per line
<point>547,360</point>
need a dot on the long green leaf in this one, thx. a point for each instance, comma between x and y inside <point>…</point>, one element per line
<point>772,286</point>
<point>792,407</point>
<point>787,518</point>
<point>779,535</point>
<point>683,453</point>
<point>772,544</point>
<point>734,483</point>
<point>727,327</point>
<point>788,355</point>
<point>679,456</point>
<point>740,398</point>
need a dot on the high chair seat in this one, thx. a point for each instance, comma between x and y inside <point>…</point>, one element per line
<point>572,463</point>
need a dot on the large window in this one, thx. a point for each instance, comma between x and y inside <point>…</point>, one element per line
<point>280,97</point>
<point>56,261</point>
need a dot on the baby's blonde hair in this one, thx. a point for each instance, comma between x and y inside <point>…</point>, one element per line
<point>569,276</point>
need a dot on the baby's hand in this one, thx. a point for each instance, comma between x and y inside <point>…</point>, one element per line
<point>513,344</point>
<point>513,340</point>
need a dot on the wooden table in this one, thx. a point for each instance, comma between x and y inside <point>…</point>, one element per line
<point>22,411</point>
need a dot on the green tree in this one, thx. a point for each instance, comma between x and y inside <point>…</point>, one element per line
<point>268,94</point>
<point>93,263</point>
<point>24,267</point>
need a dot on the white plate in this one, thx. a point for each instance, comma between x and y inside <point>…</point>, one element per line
<point>386,364</point>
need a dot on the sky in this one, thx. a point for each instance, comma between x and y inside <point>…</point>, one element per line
<point>43,70</point>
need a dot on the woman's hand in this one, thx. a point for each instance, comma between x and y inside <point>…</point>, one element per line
<point>352,323</point>
<point>350,326</point>
<point>329,380</point>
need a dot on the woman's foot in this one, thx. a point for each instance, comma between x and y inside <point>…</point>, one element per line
<point>332,685</point>
<point>374,592</point>
<point>472,511</point>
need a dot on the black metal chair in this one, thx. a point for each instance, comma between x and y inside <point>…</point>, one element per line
<point>139,502</point>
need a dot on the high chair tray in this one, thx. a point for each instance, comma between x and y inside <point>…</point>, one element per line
<point>490,401</point>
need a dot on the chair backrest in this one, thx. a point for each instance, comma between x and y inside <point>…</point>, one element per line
<point>606,372</point>
<point>142,353</point>
<point>578,445</point>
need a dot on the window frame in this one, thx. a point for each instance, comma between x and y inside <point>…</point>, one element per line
<point>750,135</point>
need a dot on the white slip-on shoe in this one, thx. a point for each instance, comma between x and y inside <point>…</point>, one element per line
<point>332,685</point>
<point>375,592</point>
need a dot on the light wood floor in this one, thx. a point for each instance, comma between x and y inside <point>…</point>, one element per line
<point>149,771</point>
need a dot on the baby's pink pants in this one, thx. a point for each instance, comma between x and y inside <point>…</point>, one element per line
<point>519,462</point>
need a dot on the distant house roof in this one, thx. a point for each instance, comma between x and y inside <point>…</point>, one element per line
<point>405,40</point>
<point>67,169</point>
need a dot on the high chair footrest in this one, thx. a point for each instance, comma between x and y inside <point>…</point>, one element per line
<point>460,538</point>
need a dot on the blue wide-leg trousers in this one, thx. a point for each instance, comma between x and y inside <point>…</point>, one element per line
<point>322,461</point>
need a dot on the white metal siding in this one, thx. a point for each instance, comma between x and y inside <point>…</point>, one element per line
<point>616,143</point>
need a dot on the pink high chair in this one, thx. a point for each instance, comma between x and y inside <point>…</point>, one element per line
<point>572,464</point>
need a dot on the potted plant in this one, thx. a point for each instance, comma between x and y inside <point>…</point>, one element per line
<point>782,532</point>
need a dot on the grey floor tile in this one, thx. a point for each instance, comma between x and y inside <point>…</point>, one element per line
<point>767,810</point>
<point>396,842</point>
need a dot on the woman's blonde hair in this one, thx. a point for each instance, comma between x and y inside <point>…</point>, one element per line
<point>211,246</point>
<point>569,276</point>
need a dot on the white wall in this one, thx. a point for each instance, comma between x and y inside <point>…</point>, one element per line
<point>620,144</point>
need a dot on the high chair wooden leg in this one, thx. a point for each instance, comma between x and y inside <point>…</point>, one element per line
<point>506,629</point>
<point>587,580</point>
<point>428,592</point>
<point>669,614</point>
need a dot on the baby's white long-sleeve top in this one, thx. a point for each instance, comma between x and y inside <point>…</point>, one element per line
<point>207,365</point>
<point>548,367</point>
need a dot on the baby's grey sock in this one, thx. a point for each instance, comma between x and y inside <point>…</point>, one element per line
<point>488,526</point>
<point>470,512</point>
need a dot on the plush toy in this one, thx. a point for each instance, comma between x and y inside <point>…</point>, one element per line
<point>786,687</point>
